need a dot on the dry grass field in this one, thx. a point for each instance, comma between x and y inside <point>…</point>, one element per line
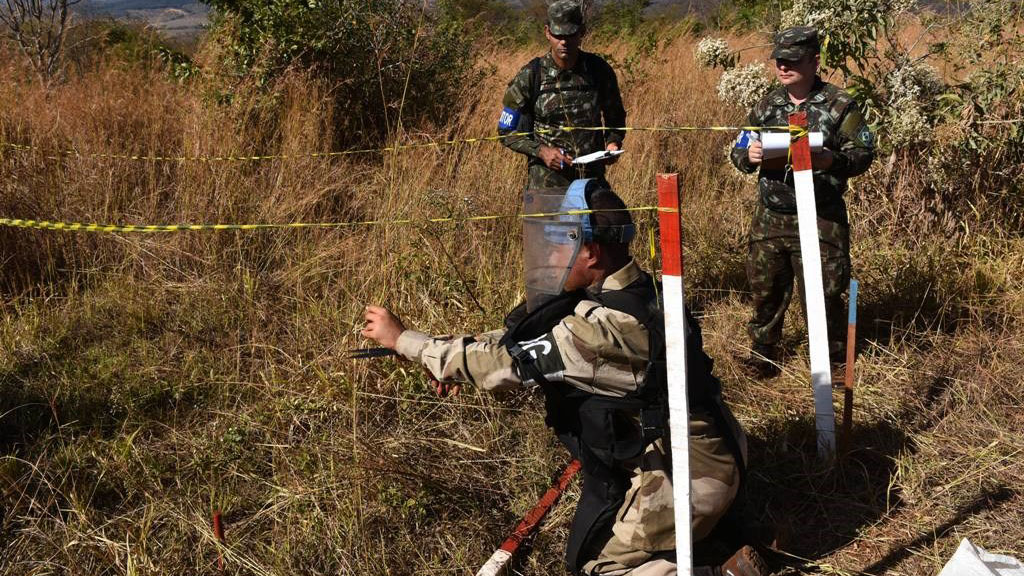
<point>147,380</point>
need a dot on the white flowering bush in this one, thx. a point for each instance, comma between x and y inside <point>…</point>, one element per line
<point>745,85</point>
<point>908,125</point>
<point>714,53</point>
<point>911,94</point>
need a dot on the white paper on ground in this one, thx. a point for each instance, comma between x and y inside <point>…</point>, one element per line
<point>596,156</point>
<point>971,560</point>
<point>776,144</point>
<point>814,297</point>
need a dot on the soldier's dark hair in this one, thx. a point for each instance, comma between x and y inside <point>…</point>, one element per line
<point>612,223</point>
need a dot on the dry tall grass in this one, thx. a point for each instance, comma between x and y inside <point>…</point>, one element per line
<point>147,380</point>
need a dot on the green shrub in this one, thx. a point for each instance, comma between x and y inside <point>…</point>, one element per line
<point>386,60</point>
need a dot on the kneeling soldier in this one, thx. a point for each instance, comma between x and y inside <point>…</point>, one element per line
<point>591,336</point>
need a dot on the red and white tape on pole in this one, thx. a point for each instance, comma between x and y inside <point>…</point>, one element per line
<point>499,561</point>
<point>675,356</point>
<point>814,294</point>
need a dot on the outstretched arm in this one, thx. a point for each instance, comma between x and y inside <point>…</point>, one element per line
<point>598,351</point>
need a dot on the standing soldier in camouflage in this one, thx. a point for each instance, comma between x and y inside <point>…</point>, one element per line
<point>590,336</point>
<point>774,254</point>
<point>564,88</point>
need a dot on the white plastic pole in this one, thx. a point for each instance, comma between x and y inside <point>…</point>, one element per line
<point>675,355</point>
<point>814,293</point>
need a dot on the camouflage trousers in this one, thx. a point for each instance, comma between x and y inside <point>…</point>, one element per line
<point>540,176</point>
<point>643,536</point>
<point>772,262</point>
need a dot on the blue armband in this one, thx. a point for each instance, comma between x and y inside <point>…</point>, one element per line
<point>509,119</point>
<point>745,138</point>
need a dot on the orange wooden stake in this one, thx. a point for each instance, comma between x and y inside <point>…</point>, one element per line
<point>851,342</point>
<point>218,533</point>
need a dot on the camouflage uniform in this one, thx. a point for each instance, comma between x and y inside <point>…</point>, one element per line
<point>774,251</point>
<point>585,95</point>
<point>604,352</point>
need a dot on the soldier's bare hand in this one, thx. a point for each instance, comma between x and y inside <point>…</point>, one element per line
<point>554,158</point>
<point>755,152</point>
<point>445,388</point>
<point>382,326</point>
<point>611,147</point>
<point>822,160</point>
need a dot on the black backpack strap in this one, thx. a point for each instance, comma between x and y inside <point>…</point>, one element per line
<point>534,82</point>
<point>529,113</point>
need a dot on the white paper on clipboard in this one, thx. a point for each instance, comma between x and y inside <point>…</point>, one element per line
<point>596,156</point>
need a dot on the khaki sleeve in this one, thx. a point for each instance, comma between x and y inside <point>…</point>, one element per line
<point>597,350</point>
<point>462,359</point>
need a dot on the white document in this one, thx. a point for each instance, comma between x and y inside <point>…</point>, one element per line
<point>596,156</point>
<point>971,560</point>
<point>776,144</point>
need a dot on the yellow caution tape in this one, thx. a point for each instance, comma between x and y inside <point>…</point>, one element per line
<point>152,228</point>
<point>797,132</point>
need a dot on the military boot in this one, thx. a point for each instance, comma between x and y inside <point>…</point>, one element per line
<point>745,562</point>
<point>763,361</point>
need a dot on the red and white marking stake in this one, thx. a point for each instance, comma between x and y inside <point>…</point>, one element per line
<point>499,561</point>
<point>675,355</point>
<point>851,343</point>
<point>814,292</point>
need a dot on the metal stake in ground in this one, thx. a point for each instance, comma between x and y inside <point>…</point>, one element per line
<point>675,363</point>
<point>851,342</point>
<point>814,293</point>
<point>499,561</point>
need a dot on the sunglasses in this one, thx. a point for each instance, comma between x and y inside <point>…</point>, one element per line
<point>780,62</point>
<point>564,37</point>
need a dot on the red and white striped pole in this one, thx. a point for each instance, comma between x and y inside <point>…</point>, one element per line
<point>814,292</point>
<point>499,561</point>
<point>669,218</point>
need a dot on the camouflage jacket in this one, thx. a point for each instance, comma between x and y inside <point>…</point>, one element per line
<point>830,111</point>
<point>585,95</point>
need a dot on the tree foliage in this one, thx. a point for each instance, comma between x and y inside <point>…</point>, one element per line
<point>387,60</point>
<point>39,28</point>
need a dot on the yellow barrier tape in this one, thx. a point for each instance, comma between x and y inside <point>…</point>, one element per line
<point>797,132</point>
<point>152,228</point>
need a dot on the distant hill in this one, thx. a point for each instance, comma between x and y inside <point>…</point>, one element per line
<point>183,18</point>
<point>176,18</point>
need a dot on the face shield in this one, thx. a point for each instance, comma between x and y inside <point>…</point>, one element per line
<point>552,240</point>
